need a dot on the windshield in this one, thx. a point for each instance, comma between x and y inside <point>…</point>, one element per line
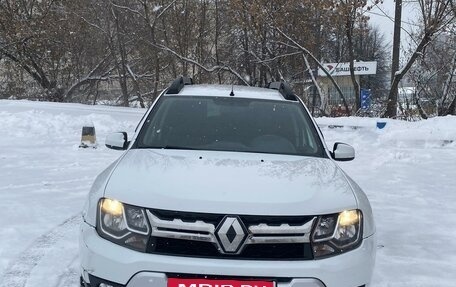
<point>230,124</point>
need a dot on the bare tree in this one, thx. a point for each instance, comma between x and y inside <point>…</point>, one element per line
<point>128,51</point>
<point>26,39</point>
<point>435,15</point>
<point>351,11</point>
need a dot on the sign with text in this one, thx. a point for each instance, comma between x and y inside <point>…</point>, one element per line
<point>343,69</point>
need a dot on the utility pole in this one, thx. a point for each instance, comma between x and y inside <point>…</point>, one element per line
<point>391,110</point>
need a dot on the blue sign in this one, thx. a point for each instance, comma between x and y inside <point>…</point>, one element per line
<point>365,98</point>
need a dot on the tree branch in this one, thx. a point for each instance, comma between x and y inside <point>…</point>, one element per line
<point>209,70</point>
<point>347,109</point>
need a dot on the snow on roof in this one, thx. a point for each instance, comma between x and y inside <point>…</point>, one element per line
<point>225,90</point>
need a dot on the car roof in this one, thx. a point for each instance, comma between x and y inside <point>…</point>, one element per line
<point>225,91</point>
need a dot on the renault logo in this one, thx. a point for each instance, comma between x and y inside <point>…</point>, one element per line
<point>231,234</point>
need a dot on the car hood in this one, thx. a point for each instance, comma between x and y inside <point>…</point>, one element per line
<point>230,183</point>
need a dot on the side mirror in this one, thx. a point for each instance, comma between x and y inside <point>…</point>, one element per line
<point>117,141</point>
<point>343,152</point>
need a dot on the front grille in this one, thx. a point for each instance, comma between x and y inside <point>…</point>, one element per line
<point>168,246</point>
<point>188,216</point>
<point>193,234</point>
<point>216,218</point>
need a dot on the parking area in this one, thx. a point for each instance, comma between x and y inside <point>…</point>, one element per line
<point>408,171</point>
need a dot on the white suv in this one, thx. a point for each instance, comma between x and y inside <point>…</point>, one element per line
<point>226,186</point>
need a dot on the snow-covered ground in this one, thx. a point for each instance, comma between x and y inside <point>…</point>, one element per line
<point>408,170</point>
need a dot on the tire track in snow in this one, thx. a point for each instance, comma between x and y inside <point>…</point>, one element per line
<point>48,260</point>
<point>70,278</point>
<point>45,183</point>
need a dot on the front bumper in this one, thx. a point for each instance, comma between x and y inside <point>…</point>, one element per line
<point>103,259</point>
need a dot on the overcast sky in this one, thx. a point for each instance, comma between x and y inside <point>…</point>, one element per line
<point>382,16</point>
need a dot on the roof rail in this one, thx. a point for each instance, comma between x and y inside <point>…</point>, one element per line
<point>284,89</point>
<point>178,84</point>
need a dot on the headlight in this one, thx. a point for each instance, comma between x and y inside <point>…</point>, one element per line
<point>337,233</point>
<point>123,224</point>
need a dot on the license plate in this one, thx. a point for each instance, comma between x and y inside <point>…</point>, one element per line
<point>182,282</point>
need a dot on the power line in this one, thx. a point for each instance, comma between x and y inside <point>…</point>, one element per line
<point>391,18</point>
